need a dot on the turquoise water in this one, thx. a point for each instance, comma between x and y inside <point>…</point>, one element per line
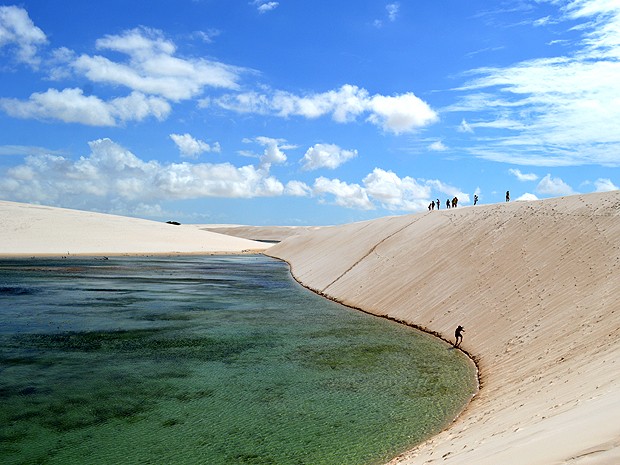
<point>208,360</point>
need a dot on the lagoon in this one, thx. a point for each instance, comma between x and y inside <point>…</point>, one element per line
<point>208,359</point>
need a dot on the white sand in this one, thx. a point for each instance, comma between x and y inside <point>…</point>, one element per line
<point>536,286</point>
<point>33,230</point>
<point>258,233</point>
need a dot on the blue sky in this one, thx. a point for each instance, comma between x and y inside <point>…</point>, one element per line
<point>300,112</point>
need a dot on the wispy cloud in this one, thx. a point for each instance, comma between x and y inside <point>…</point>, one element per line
<point>555,111</point>
<point>523,176</point>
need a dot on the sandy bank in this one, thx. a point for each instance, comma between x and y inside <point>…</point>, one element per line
<point>33,230</point>
<point>535,285</point>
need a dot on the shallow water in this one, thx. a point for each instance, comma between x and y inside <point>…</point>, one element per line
<point>210,360</point>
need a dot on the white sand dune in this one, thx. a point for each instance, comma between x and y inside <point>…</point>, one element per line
<point>34,230</point>
<point>536,286</point>
<point>258,233</point>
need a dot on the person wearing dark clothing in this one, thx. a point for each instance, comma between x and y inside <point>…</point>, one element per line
<point>507,196</point>
<point>458,334</point>
<point>447,203</point>
<point>475,199</point>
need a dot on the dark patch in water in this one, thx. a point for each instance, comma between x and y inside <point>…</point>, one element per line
<point>16,290</point>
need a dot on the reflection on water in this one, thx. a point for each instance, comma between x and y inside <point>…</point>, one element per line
<point>218,360</point>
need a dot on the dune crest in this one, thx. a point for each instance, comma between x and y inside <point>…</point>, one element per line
<point>534,284</point>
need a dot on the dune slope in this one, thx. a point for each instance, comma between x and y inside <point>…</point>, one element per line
<point>536,287</point>
<point>34,230</point>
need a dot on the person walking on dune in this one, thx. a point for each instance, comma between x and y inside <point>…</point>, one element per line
<point>458,334</point>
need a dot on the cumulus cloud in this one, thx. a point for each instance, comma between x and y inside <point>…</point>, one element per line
<point>72,106</point>
<point>526,197</point>
<point>297,189</point>
<point>345,195</point>
<point>263,6</point>
<point>112,174</point>
<point>19,34</point>
<point>553,186</point>
<point>191,147</point>
<point>396,114</point>
<point>326,156</point>
<point>273,152</point>
<point>153,68</point>
<point>395,193</point>
<point>557,111</point>
<point>523,176</point>
<point>392,10</point>
<point>386,189</point>
<point>605,185</point>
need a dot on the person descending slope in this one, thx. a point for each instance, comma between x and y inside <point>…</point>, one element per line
<point>458,334</point>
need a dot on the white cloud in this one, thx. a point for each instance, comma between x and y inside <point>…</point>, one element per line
<point>273,152</point>
<point>557,111</point>
<point>392,10</point>
<point>553,186</point>
<point>523,176</point>
<point>526,197</point>
<point>111,174</point>
<point>395,193</point>
<point>152,68</point>
<point>326,156</point>
<point>191,147</point>
<point>345,195</point>
<point>297,189</point>
<point>18,32</point>
<point>397,114</point>
<point>437,146</point>
<point>465,127</point>
<point>605,185</point>
<point>72,106</point>
<point>264,6</point>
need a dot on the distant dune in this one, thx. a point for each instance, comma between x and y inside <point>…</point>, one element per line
<point>259,233</point>
<point>536,286</point>
<point>34,230</point>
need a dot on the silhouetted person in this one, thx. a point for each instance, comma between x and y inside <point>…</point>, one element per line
<point>433,205</point>
<point>447,203</point>
<point>475,199</point>
<point>437,204</point>
<point>458,334</point>
<point>429,207</point>
<point>507,196</point>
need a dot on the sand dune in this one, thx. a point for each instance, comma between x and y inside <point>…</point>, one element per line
<point>258,233</point>
<point>33,230</point>
<point>535,285</point>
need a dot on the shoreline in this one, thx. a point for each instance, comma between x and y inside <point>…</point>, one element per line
<point>472,358</point>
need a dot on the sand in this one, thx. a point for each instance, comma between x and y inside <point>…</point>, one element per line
<point>34,230</point>
<point>259,233</point>
<point>535,284</point>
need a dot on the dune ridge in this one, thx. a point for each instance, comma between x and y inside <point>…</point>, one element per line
<point>535,286</point>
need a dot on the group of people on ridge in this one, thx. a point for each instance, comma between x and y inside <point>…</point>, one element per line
<point>455,201</point>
